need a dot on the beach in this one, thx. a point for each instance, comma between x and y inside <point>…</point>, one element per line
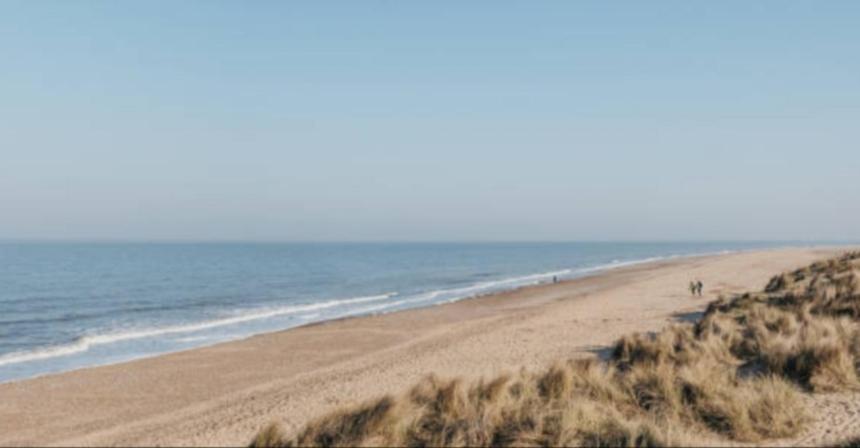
<point>224,394</point>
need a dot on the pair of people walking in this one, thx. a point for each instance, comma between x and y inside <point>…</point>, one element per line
<point>696,288</point>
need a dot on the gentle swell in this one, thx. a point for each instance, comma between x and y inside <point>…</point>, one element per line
<point>86,342</point>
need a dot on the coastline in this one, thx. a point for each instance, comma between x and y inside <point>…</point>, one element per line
<point>489,288</point>
<point>222,394</point>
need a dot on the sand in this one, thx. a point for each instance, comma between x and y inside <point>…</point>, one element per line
<point>221,395</point>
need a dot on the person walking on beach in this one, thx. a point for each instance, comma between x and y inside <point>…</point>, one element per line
<point>699,287</point>
<point>693,288</point>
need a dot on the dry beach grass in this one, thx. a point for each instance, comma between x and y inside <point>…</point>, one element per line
<point>738,373</point>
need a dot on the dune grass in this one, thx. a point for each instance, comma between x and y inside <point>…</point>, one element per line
<point>851,443</point>
<point>736,373</point>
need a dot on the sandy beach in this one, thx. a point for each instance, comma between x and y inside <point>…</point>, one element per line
<point>222,395</point>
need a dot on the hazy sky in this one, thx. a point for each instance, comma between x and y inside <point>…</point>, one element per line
<point>370,120</point>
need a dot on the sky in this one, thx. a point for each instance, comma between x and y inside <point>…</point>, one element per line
<point>429,121</point>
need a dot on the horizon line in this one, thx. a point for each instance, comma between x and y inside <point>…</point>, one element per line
<point>411,241</point>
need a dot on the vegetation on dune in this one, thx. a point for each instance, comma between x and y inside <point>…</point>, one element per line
<point>851,443</point>
<point>736,373</point>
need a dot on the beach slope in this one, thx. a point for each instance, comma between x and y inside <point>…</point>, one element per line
<point>222,395</point>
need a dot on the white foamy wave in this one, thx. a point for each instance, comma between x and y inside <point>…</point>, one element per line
<point>477,289</point>
<point>193,339</point>
<point>615,264</point>
<point>455,294</point>
<point>495,285</point>
<point>451,294</point>
<point>86,342</point>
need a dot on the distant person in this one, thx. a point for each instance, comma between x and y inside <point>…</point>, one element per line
<point>554,279</point>
<point>699,287</point>
<point>693,288</point>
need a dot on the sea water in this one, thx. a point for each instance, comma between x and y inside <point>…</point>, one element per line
<point>71,305</point>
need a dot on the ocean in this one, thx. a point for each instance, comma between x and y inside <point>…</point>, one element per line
<point>65,306</point>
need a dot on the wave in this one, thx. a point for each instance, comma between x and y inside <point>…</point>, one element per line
<point>478,289</point>
<point>310,312</point>
<point>615,264</point>
<point>462,293</point>
<point>84,343</point>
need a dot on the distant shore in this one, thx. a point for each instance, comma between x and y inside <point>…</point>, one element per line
<point>223,394</point>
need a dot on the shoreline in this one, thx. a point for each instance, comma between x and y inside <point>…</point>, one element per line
<point>572,275</point>
<point>234,388</point>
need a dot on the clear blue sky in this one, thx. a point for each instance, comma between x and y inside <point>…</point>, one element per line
<point>391,120</point>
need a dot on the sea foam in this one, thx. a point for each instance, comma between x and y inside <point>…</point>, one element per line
<point>84,343</point>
